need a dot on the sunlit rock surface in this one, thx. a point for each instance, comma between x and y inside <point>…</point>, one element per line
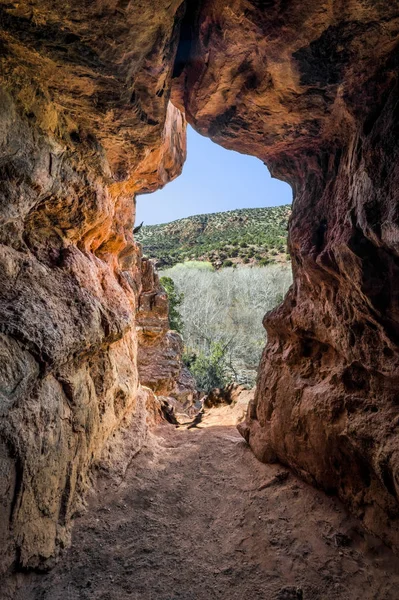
<point>86,122</point>
<point>160,350</point>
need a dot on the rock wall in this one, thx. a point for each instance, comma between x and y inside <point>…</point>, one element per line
<point>328,385</point>
<point>160,350</point>
<point>311,88</point>
<point>86,122</point>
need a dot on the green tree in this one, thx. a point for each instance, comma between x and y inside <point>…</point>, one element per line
<point>208,369</point>
<point>175,300</point>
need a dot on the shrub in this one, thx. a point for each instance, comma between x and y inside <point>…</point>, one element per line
<point>227,307</point>
<point>263,262</point>
<point>208,369</point>
<point>227,263</point>
<point>175,300</point>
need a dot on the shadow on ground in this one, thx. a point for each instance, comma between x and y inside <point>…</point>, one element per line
<point>197,517</point>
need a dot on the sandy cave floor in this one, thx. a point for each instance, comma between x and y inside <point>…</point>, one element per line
<point>197,517</point>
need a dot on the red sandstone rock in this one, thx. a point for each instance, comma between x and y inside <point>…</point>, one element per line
<point>85,123</point>
<point>311,89</point>
<point>159,358</point>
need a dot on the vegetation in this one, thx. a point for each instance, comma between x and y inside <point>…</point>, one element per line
<point>175,300</point>
<point>221,313</point>
<point>210,368</point>
<point>253,236</point>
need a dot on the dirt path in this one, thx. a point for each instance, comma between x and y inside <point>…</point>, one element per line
<point>197,517</point>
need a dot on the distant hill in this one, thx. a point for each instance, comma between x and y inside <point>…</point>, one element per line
<point>244,236</point>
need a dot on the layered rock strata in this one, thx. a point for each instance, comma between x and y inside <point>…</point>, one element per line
<point>160,350</point>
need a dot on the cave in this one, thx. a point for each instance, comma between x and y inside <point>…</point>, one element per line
<point>95,97</point>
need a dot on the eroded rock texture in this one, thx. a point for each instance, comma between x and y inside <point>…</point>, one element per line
<point>86,122</point>
<point>160,350</point>
<point>311,88</point>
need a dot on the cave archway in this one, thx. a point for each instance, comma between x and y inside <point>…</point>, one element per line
<point>332,357</point>
<point>87,122</point>
<point>219,231</point>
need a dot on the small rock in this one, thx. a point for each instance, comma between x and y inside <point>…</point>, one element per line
<point>290,593</point>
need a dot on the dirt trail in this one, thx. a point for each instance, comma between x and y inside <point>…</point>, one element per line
<point>197,517</point>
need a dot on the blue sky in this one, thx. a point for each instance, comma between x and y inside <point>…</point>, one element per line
<point>213,180</point>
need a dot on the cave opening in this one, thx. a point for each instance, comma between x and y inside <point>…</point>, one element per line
<point>217,236</point>
<point>90,97</point>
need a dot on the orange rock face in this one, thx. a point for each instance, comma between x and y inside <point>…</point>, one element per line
<point>86,122</point>
<point>160,350</point>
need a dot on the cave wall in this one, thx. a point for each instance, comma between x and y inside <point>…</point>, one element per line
<point>312,89</point>
<point>328,388</point>
<point>86,123</point>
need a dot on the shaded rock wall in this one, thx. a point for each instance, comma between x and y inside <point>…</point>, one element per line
<point>328,389</point>
<point>311,89</point>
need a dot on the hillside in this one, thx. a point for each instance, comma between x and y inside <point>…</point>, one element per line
<point>243,236</point>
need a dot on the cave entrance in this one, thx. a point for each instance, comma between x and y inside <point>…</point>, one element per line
<point>218,237</point>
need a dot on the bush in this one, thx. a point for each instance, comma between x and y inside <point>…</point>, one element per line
<point>175,300</point>
<point>208,369</point>
<point>263,262</point>
<point>227,263</point>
